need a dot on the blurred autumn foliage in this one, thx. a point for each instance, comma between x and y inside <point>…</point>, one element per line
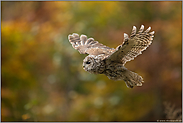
<point>42,75</point>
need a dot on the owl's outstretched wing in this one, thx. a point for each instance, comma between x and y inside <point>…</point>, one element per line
<point>88,46</point>
<point>133,45</point>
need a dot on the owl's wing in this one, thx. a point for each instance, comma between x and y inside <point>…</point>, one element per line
<point>133,45</point>
<point>88,46</point>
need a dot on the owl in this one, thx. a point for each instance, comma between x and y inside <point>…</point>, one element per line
<point>111,61</point>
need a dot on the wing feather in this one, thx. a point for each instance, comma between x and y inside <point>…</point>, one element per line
<point>88,45</point>
<point>133,46</point>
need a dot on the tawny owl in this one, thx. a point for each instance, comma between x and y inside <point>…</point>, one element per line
<point>110,61</point>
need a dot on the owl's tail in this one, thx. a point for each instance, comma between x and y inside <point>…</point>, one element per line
<point>132,79</point>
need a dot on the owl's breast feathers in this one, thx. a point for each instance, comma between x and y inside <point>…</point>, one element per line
<point>114,70</point>
<point>100,64</point>
<point>110,68</point>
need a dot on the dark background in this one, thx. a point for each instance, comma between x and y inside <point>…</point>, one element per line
<point>42,75</point>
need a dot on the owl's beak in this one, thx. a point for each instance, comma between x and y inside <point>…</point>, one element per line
<point>83,66</point>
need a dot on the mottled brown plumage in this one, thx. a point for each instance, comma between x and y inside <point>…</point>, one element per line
<point>110,61</point>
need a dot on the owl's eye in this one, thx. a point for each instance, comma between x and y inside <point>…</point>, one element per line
<point>88,62</point>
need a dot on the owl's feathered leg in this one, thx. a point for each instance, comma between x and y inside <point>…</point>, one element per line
<point>132,79</point>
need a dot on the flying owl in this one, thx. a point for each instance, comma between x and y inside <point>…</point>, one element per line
<point>110,61</point>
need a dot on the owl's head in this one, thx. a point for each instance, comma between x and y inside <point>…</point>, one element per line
<point>89,64</point>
